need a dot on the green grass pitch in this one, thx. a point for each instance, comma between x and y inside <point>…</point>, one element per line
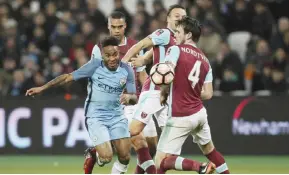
<point>73,164</point>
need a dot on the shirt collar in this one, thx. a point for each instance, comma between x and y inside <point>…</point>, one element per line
<point>192,44</point>
<point>125,42</point>
<point>117,70</point>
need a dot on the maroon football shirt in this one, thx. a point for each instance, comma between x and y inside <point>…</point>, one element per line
<point>191,70</point>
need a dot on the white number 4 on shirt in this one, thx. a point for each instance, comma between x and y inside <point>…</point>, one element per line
<point>195,73</point>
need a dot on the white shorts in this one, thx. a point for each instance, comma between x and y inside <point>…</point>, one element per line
<point>149,130</point>
<point>149,105</point>
<point>178,129</point>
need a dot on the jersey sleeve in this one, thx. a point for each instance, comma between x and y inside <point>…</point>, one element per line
<point>86,70</point>
<point>160,37</point>
<point>96,54</point>
<point>209,76</point>
<point>172,55</point>
<point>142,68</point>
<point>130,84</point>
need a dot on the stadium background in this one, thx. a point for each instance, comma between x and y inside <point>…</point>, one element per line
<point>247,43</point>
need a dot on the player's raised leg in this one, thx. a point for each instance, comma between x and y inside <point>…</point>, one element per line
<point>100,137</point>
<point>148,104</point>
<point>149,133</point>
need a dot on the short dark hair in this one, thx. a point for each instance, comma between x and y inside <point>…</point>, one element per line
<point>175,6</point>
<point>117,15</point>
<point>109,41</point>
<point>191,25</point>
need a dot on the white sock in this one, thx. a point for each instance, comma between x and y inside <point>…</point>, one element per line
<point>118,168</point>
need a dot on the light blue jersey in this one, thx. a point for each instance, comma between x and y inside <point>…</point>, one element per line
<point>104,113</point>
<point>105,87</point>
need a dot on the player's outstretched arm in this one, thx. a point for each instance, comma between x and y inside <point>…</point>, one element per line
<point>60,80</point>
<point>134,50</point>
<point>160,37</point>
<point>83,72</point>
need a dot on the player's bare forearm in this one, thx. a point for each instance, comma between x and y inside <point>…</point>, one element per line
<point>148,57</point>
<point>58,81</point>
<point>142,60</point>
<point>134,50</point>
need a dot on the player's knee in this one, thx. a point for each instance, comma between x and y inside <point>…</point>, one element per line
<point>139,142</point>
<point>135,131</point>
<point>136,127</point>
<point>208,148</point>
<point>106,159</point>
<point>105,156</point>
<point>124,158</point>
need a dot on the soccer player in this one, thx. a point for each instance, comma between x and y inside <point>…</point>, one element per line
<point>149,100</point>
<point>187,115</point>
<point>117,26</point>
<point>105,122</point>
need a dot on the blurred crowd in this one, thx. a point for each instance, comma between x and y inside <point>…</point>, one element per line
<point>247,45</point>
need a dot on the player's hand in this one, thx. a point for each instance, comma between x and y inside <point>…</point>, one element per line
<point>34,91</point>
<point>137,61</point>
<point>124,99</point>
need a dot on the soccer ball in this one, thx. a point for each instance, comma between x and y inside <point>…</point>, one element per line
<point>162,74</point>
